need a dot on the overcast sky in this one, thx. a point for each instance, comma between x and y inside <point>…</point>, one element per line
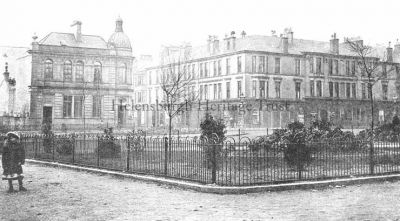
<point>151,23</point>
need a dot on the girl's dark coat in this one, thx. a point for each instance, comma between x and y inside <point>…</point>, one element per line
<point>13,157</point>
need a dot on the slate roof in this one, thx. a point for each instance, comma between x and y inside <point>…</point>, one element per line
<point>299,46</point>
<point>68,39</point>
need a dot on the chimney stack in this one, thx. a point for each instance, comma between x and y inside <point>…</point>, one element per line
<point>290,36</point>
<point>334,46</point>
<point>78,35</point>
<point>215,45</point>
<point>285,44</point>
<point>396,50</point>
<point>243,34</point>
<point>209,42</point>
<point>389,53</point>
<point>233,40</point>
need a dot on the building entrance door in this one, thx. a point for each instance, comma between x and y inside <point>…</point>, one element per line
<point>47,116</point>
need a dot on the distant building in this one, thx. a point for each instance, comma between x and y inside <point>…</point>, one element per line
<point>80,80</point>
<point>14,81</point>
<point>284,79</point>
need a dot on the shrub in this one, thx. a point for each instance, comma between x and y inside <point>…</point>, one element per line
<point>48,138</point>
<point>136,140</point>
<point>107,145</point>
<point>65,146</point>
<point>213,148</point>
<point>296,152</point>
<point>209,127</point>
<point>297,155</point>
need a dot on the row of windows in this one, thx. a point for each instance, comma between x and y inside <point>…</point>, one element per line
<point>123,75</point>
<point>214,68</point>
<point>346,90</point>
<point>261,86</point>
<point>349,67</point>
<point>259,64</point>
<point>73,106</point>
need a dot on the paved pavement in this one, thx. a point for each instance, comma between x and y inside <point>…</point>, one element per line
<point>62,194</point>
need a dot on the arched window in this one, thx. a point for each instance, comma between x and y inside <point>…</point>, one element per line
<point>122,74</point>
<point>97,72</point>
<point>48,69</point>
<point>79,71</point>
<point>67,71</point>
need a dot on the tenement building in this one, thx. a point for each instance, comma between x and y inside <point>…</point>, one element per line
<point>81,80</point>
<point>254,81</point>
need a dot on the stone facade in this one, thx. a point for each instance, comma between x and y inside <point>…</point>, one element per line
<point>294,79</point>
<point>81,79</point>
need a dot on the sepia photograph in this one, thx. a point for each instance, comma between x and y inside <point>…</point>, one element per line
<point>199,110</point>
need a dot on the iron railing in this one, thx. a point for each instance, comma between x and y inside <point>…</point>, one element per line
<point>230,162</point>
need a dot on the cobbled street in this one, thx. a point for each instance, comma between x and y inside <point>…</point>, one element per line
<point>63,194</point>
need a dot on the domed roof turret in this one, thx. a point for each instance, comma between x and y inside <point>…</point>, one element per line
<point>119,39</point>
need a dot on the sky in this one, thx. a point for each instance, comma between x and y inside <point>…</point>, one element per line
<point>152,23</point>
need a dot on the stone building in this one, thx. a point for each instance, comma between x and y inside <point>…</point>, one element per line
<point>270,81</point>
<point>81,80</point>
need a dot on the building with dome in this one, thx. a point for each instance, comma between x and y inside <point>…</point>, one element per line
<point>81,81</point>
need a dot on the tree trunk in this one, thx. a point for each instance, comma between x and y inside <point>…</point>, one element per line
<point>170,137</point>
<point>372,106</point>
<point>371,150</point>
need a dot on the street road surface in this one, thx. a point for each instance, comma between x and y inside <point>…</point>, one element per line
<point>63,194</point>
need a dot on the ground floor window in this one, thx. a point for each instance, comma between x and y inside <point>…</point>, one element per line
<point>96,111</point>
<point>67,106</point>
<point>72,106</point>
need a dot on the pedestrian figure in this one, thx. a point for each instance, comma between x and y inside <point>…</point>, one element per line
<point>13,158</point>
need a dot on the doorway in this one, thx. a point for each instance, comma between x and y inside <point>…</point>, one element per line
<point>47,116</point>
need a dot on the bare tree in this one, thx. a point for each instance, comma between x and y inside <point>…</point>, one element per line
<point>178,86</point>
<point>373,68</point>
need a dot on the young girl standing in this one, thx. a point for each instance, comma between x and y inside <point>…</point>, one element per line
<point>12,159</point>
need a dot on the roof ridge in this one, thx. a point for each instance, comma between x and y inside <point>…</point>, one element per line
<point>45,38</point>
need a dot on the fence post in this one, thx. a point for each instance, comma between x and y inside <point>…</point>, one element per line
<point>165,155</point>
<point>371,157</point>
<point>299,163</point>
<point>214,164</point>
<point>98,151</point>
<point>35,144</point>
<point>54,146</point>
<point>128,153</point>
<point>73,149</point>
